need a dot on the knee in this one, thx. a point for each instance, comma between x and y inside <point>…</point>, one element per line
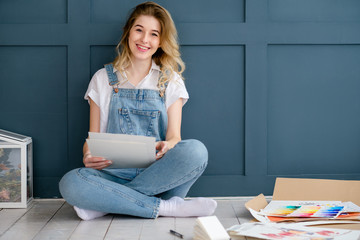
<point>70,185</point>
<point>197,152</point>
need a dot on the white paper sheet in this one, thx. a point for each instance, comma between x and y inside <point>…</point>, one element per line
<point>350,207</point>
<point>125,151</point>
<point>210,228</point>
<point>274,231</point>
<point>258,216</point>
<point>315,223</point>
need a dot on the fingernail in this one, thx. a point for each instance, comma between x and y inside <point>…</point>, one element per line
<point>109,162</point>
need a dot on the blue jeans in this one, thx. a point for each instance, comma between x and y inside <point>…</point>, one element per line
<point>136,191</point>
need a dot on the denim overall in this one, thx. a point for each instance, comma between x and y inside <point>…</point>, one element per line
<point>136,191</point>
<point>136,111</point>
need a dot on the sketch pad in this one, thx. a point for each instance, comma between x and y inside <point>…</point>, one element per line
<point>125,151</point>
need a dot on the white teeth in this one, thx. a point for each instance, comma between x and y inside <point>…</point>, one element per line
<point>144,48</point>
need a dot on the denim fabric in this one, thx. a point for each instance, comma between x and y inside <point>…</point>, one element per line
<point>133,191</point>
<point>136,111</point>
<point>137,191</point>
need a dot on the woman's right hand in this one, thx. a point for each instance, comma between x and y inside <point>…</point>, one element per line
<point>98,163</point>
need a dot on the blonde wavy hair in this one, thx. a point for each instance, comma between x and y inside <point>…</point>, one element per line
<point>168,54</point>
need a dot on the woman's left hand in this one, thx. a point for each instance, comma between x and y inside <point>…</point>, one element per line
<point>161,147</point>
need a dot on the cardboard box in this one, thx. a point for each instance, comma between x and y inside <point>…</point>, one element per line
<point>296,189</point>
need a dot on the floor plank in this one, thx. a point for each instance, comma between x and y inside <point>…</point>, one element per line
<point>8,218</point>
<point>125,228</point>
<point>29,225</point>
<point>61,226</point>
<point>55,219</point>
<point>185,226</point>
<point>92,230</point>
<point>242,213</point>
<point>158,227</point>
<point>226,213</point>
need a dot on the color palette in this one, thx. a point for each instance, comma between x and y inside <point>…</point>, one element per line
<point>317,211</point>
<point>283,210</point>
<point>306,211</point>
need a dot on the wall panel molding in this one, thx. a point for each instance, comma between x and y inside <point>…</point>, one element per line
<point>33,12</point>
<point>313,109</point>
<point>314,11</point>
<point>252,65</point>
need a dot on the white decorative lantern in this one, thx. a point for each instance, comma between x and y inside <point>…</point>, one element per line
<point>16,170</point>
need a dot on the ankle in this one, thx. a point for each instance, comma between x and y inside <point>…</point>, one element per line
<point>86,214</point>
<point>177,207</point>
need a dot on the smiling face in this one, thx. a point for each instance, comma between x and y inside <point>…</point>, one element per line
<point>144,38</point>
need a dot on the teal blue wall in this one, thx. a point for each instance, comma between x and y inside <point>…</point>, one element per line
<point>274,85</point>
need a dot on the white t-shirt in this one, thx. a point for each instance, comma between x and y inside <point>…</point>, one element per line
<point>100,91</point>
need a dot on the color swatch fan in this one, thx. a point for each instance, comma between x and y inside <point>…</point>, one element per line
<point>309,209</point>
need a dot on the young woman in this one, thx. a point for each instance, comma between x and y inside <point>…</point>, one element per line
<point>142,92</point>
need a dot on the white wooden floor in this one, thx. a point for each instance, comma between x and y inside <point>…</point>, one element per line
<point>55,219</point>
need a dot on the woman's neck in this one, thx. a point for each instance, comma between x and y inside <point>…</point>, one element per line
<point>138,71</point>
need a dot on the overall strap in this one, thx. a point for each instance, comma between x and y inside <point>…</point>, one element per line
<point>112,76</point>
